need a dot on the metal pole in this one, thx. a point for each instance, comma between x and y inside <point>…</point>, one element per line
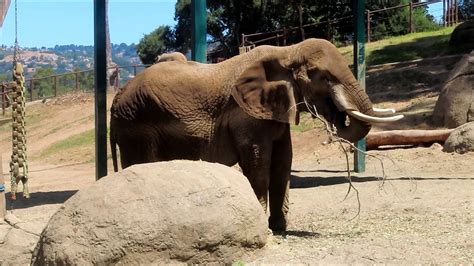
<point>199,25</point>
<point>359,70</point>
<point>100,73</point>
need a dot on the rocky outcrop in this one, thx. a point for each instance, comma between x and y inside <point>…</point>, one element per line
<point>166,212</point>
<point>455,105</point>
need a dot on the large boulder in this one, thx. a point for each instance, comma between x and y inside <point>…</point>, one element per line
<point>167,212</point>
<point>455,105</point>
<point>461,140</point>
<point>463,34</point>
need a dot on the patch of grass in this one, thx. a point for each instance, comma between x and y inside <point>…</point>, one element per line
<point>80,140</point>
<point>409,47</point>
<point>306,123</point>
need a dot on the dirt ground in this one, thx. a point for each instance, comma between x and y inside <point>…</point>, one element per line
<point>421,213</point>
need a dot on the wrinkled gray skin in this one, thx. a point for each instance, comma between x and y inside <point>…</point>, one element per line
<point>237,111</point>
<point>174,56</point>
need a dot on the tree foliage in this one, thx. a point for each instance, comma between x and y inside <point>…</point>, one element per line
<point>466,9</point>
<point>155,43</point>
<point>227,20</point>
<point>43,87</point>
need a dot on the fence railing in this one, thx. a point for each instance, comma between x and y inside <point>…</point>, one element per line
<point>327,27</point>
<point>56,85</point>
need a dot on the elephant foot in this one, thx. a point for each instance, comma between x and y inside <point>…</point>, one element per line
<point>277,224</point>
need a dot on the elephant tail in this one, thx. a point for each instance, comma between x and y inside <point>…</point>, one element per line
<point>113,148</point>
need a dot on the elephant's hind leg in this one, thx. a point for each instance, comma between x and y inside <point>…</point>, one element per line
<point>137,150</point>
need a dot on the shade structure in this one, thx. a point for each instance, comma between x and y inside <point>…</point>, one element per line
<point>4,5</point>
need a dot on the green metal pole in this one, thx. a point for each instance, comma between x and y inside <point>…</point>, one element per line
<point>199,24</point>
<point>359,70</point>
<point>100,73</point>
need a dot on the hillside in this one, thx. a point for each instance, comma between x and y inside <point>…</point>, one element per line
<point>65,58</point>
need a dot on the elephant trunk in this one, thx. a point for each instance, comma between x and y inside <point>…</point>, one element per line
<point>355,131</point>
<point>355,104</point>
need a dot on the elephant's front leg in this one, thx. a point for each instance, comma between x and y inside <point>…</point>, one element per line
<point>280,182</point>
<point>255,161</point>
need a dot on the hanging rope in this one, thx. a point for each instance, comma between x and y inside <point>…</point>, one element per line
<point>18,164</point>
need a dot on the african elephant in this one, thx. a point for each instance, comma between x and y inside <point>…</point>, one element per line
<point>239,111</point>
<point>174,56</point>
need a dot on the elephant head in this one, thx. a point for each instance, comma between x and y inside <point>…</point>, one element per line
<point>174,56</point>
<point>275,86</point>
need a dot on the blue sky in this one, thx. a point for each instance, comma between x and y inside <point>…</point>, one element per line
<point>50,22</point>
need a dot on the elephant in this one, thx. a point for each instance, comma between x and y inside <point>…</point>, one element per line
<point>174,56</point>
<point>240,111</point>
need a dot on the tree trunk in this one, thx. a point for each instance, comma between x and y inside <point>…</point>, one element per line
<point>108,48</point>
<point>300,16</point>
<point>406,137</point>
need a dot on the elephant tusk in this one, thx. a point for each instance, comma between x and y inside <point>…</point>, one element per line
<point>372,119</point>
<point>383,111</point>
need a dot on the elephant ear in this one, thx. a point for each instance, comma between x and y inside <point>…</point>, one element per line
<point>265,90</point>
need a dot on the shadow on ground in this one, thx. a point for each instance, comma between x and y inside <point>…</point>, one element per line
<point>316,181</point>
<point>38,199</point>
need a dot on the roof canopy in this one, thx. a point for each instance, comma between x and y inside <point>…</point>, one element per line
<point>4,4</point>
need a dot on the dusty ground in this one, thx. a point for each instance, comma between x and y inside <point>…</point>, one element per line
<point>421,213</point>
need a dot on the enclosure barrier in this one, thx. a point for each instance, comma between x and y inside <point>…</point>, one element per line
<point>55,85</point>
<point>283,36</point>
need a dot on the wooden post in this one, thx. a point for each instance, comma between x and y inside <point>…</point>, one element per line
<point>285,33</point>
<point>117,78</point>
<point>77,81</point>
<point>444,13</point>
<point>242,40</point>
<point>300,19</point>
<point>4,98</point>
<point>368,25</point>
<point>410,6</point>
<point>3,207</point>
<point>448,12</point>
<point>456,11</point>
<point>55,86</point>
<point>31,89</point>
<point>134,70</point>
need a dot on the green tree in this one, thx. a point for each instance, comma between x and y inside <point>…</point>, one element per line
<point>227,20</point>
<point>155,43</point>
<point>43,87</point>
<point>466,9</point>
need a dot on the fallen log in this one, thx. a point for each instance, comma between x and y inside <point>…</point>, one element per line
<point>406,137</point>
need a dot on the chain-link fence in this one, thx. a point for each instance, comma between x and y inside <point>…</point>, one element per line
<point>56,85</point>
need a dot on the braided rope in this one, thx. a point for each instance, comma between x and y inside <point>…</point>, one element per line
<point>19,163</point>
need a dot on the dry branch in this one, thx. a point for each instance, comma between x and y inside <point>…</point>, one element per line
<point>406,137</point>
